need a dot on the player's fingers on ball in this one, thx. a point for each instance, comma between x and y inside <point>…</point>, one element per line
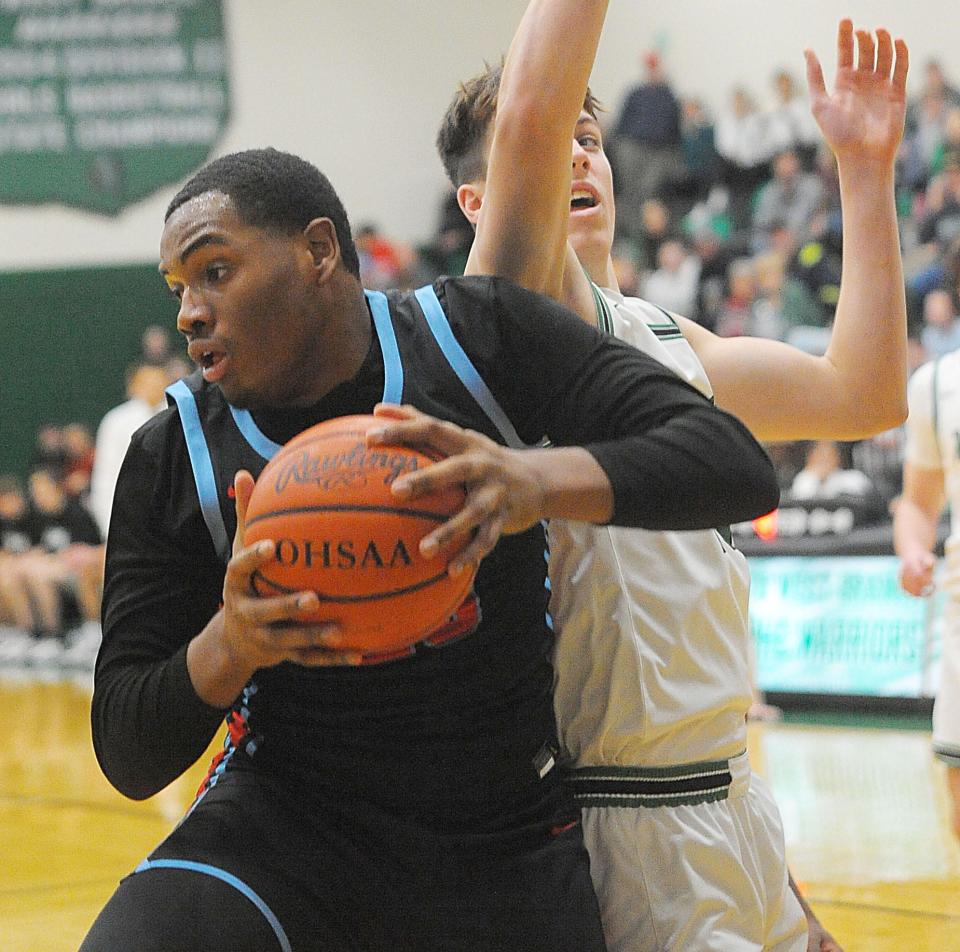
<point>275,610</point>
<point>453,471</point>
<point>395,411</point>
<point>480,545</point>
<point>246,560</point>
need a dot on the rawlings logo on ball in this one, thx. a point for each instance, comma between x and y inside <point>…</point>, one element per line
<point>330,470</point>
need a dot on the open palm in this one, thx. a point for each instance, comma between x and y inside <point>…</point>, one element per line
<point>863,117</point>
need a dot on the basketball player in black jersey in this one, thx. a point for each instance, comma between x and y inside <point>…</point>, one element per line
<point>411,805</point>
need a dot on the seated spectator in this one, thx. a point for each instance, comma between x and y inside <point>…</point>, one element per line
<point>941,325</point>
<point>78,461</point>
<point>49,448</point>
<point>673,286</point>
<point>939,225</point>
<point>880,459</point>
<point>734,313</point>
<point>61,575</point>
<point>823,476</point>
<point>16,536</point>
<point>697,142</point>
<point>788,202</point>
<point>766,313</point>
<point>715,257</point>
<point>656,228</point>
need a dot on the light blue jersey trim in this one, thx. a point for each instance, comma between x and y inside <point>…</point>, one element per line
<point>257,439</point>
<point>202,466</point>
<point>463,366</point>
<point>392,365</point>
<point>230,880</point>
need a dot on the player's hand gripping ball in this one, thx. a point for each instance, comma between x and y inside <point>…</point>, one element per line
<point>325,500</point>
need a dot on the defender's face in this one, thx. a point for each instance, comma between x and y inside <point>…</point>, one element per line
<point>592,210</point>
<point>247,302</point>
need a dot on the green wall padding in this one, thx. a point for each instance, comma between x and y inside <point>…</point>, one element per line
<point>68,336</point>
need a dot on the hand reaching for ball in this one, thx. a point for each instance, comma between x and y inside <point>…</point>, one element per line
<point>249,632</point>
<point>504,493</point>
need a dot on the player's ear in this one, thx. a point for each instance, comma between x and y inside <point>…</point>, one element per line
<point>470,198</point>
<point>321,236</point>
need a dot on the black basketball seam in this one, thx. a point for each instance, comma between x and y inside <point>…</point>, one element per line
<point>347,599</point>
<point>393,510</point>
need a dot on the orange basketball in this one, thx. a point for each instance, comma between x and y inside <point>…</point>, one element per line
<point>325,500</point>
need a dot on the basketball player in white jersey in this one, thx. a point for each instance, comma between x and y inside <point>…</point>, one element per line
<point>931,477</point>
<point>652,654</point>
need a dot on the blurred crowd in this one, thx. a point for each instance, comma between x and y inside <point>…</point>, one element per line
<point>732,220</point>
<point>53,524</point>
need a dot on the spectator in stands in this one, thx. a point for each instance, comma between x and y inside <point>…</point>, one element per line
<point>790,124</point>
<point>673,286</point>
<point>16,534</point>
<point>734,313</point>
<point>78,460</point>
<point>62,573</point>
<point>741,140</point>
<point>645,145</point>
<point>788,202</point>
<point>656,228</point>
<point>823,476</point>
<point>767,317</point>
<point>698,146</point>
<point>715,257</point>
<point>155,346</point>
<point>880,459</point>
<point>451,247</point>
<point>49,449</point>
<point>950,143</point>
<point>940,224</point>
<point>145,397</point>
<point>941,325</point>
<point>379,261</point>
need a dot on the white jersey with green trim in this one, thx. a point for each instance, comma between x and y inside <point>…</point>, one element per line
<point>652,629</point>
<point>933,442</point>
<point>933,426</point>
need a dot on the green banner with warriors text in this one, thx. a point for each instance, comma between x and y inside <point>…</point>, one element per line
<point>102,102</point>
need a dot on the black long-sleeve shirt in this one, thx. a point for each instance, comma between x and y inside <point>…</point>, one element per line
<point>451,736</point>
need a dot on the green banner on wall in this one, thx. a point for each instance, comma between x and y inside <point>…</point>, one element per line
<point>102,102</point>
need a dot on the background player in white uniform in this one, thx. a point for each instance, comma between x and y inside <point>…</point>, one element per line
<point>653,680</point>
<point>931,477</point>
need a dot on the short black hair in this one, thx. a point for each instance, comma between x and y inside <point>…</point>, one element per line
<point>274,190</point>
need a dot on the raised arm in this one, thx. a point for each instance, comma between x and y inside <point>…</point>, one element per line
<point>523,219</point>
<point>859,386</point>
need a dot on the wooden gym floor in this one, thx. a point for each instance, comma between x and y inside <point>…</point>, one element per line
<point>864,809</point>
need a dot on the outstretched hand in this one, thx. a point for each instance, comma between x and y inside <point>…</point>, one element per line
<point>862,119</point>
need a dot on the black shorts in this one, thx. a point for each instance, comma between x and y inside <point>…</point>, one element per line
<point>253,868</point>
